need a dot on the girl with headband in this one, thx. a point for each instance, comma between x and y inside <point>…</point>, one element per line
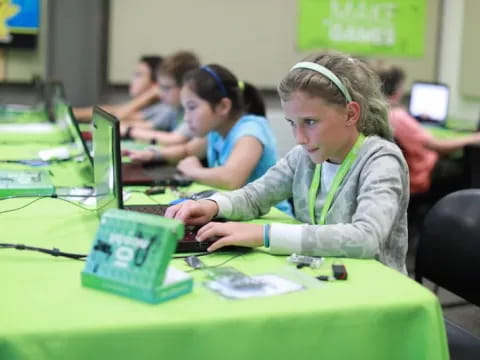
<point>348,180</point>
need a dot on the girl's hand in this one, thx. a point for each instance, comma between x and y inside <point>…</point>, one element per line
<point>193,212</point>
<point>139,156</point>
<point>189,165</point>
<point>232,233</point>
<point>123,130</point>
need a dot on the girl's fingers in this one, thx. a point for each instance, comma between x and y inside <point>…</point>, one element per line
<point>209,230</point>
<point>225,241</point>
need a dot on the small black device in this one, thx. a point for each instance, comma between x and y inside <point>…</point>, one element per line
<point>154,190</point>
<point>339,272</point>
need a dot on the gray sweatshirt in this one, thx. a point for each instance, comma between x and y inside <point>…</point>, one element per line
<point>368,216</point>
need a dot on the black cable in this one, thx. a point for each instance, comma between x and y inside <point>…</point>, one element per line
<point>54,252</point>
<point>74,203</point>
<point>24,196</point>
<point>22,162</point>
<point>25,205</point>
<point>54,196</point>
<point>216,265</point>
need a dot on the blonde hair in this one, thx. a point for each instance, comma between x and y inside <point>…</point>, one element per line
<point>178,64</point>
<point>359,79</point>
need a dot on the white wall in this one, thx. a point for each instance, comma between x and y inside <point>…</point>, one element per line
<point>256,39</point>
<point>451,59</point>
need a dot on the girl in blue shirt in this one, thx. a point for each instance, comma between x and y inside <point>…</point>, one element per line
<point>227,118</point>
<point>240,146</point>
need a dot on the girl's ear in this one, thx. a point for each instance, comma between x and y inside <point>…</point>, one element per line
<point>353,113</point>
<point>223,107</point>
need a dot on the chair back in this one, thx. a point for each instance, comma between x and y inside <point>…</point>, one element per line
<point>449,247</point>
<point>472,161</point>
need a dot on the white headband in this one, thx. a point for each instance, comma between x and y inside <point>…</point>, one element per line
<point>325,72</point>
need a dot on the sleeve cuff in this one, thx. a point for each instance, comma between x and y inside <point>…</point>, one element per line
<point>285,238</point>
<point>225,206</point>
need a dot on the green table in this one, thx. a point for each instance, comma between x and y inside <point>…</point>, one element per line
<point>454,128</point>
<point>10,116</point>
<point>54,137</point>
<point>45,313</point>
<point>445,133</point>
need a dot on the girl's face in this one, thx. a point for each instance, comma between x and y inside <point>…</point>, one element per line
<point>169,90</point>
<point>324,130</point>
<point>141,80</point>
<point>200,117</point>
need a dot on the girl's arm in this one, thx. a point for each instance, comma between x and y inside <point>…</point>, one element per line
<point>235,172</point>
<point>256,198</point>
<point>161,137</point>
<point>379,199</point>
<point>127,110</point>
<point>194,147</point>
<point>171,154</point>
<point>447,146</point>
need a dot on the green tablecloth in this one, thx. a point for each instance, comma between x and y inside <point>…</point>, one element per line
<point>45,313</point>
<point>56,136</point>
<point>445,133</point>
<point>12,117</point>
<point>454,128</point>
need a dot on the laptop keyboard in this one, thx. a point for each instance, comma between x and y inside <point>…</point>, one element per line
<point>190,231</point>
<point>149,209</point>
<point>188,243</point>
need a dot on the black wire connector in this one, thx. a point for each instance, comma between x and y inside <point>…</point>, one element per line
<point>53,252</point>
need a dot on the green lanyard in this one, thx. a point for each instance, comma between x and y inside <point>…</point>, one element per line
<point>346,165</point>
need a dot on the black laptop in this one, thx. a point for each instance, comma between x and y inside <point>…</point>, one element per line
<point>144,174</point>
<point>108,178</point>
<point>429,102</point>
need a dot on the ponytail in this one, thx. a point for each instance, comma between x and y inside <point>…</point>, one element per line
<point>252,100</point>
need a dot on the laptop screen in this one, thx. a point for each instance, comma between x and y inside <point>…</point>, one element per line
<point>106,169</point>
<point>64,118</point>
<point>429,101</point>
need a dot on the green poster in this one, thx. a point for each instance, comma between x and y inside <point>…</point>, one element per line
<point>363,27</point>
